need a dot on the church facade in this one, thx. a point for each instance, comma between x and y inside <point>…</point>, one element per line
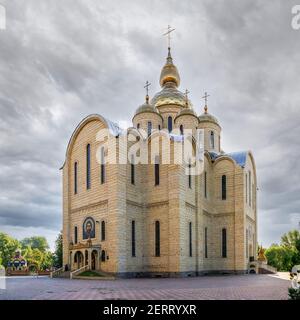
<point>134,219</point>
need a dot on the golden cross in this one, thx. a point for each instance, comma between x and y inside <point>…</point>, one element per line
<point>147,87</point>
<point>186,97</point>
<point>186,94</point>
<point>205,97</point>
<point>168,33</point>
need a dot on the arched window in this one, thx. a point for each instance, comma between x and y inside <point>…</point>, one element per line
<point>156,170</point>
<point>157,238</point>
<point>224,188</point>
<point>190,240</point>
<point>205,243</point>
<point>133,238</point>
<point>102,230</point>
<point>181,129</point>
<point>212,139</point>
<point>88,166</point>
<point>159,127</point>
<point>170,123</point>
<point>149,128</point>
<point>75,235</point>
<point>138,126</point>
<point>224,243</point>
<point>132,170</point>
<point>75,177</point>
<point>102,178</point>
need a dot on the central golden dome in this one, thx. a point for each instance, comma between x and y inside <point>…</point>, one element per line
<point>169,72</point>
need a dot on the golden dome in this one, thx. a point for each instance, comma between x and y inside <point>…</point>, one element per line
<point>169,72</point>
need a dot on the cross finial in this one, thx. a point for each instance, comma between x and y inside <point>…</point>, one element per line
<point>168,33</point>
<point>205,99</point>
<point>147,90</point>
<point>186,97</point>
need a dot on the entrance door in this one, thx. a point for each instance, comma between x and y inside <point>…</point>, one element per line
<point>94,259</point>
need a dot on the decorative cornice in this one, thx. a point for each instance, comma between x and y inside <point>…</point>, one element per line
<point>96,204</point>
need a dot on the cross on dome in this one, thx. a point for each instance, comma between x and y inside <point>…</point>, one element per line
<point>205,99</point>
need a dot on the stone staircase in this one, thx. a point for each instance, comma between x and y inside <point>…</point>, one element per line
<point>65,274</point>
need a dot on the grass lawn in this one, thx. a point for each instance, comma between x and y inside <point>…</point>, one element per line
<point>89,273</point>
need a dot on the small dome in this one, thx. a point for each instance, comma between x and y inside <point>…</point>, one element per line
<point>169,72</point>
<point>146,107</point>
<point>208,118</point>
<point>187,112</point>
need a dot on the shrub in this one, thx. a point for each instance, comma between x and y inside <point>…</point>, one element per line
<point>294,294</point>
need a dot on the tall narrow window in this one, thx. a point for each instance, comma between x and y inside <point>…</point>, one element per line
<point>212,139</point>
<point>190,176</point>
<point>102,166</point>
<point>224,188</point>
<point>224,243</point>
<point>181,129</point>
<point>205,243</point>
<point>75,177</point>
<point>149,128</point>
<point>75,235</point>
<point>138,126</point>
<point>132,170</point>
<point>170,124</point>
<point>159,127</point>
<point>157,238</point>
<point>249,187</point>
<point>156,170</point>
<point>190,240</point>
<point>205,184</point>
<point>103,231</point>
<point>88,166</point>
<point>133,238</point>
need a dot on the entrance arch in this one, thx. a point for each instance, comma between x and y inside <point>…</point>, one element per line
<point>78,260</point>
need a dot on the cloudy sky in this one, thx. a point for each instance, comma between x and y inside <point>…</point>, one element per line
<point>62,60</point>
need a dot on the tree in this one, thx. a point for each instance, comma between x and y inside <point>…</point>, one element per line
<point>291,239</point>
<point>283,258</point>
<point>35,243</point>
<point>8,247</point>
<point>58,254</point>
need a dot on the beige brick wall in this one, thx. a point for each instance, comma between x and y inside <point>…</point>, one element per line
<point>172,202</point>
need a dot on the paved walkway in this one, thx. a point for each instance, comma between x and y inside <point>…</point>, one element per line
<point>273,287</point>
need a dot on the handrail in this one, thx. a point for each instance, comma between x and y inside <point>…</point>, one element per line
<point>56,272</point>
<point>78,270</point>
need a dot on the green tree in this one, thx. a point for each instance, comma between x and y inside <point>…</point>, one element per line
<point>283,258</point>
<point>47,260</point>
<point>35,243</point>
<point>8,247</point>
<point>58,254</point>
<point>291,239</point>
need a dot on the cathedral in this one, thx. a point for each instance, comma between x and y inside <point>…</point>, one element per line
<point>134,219</point>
